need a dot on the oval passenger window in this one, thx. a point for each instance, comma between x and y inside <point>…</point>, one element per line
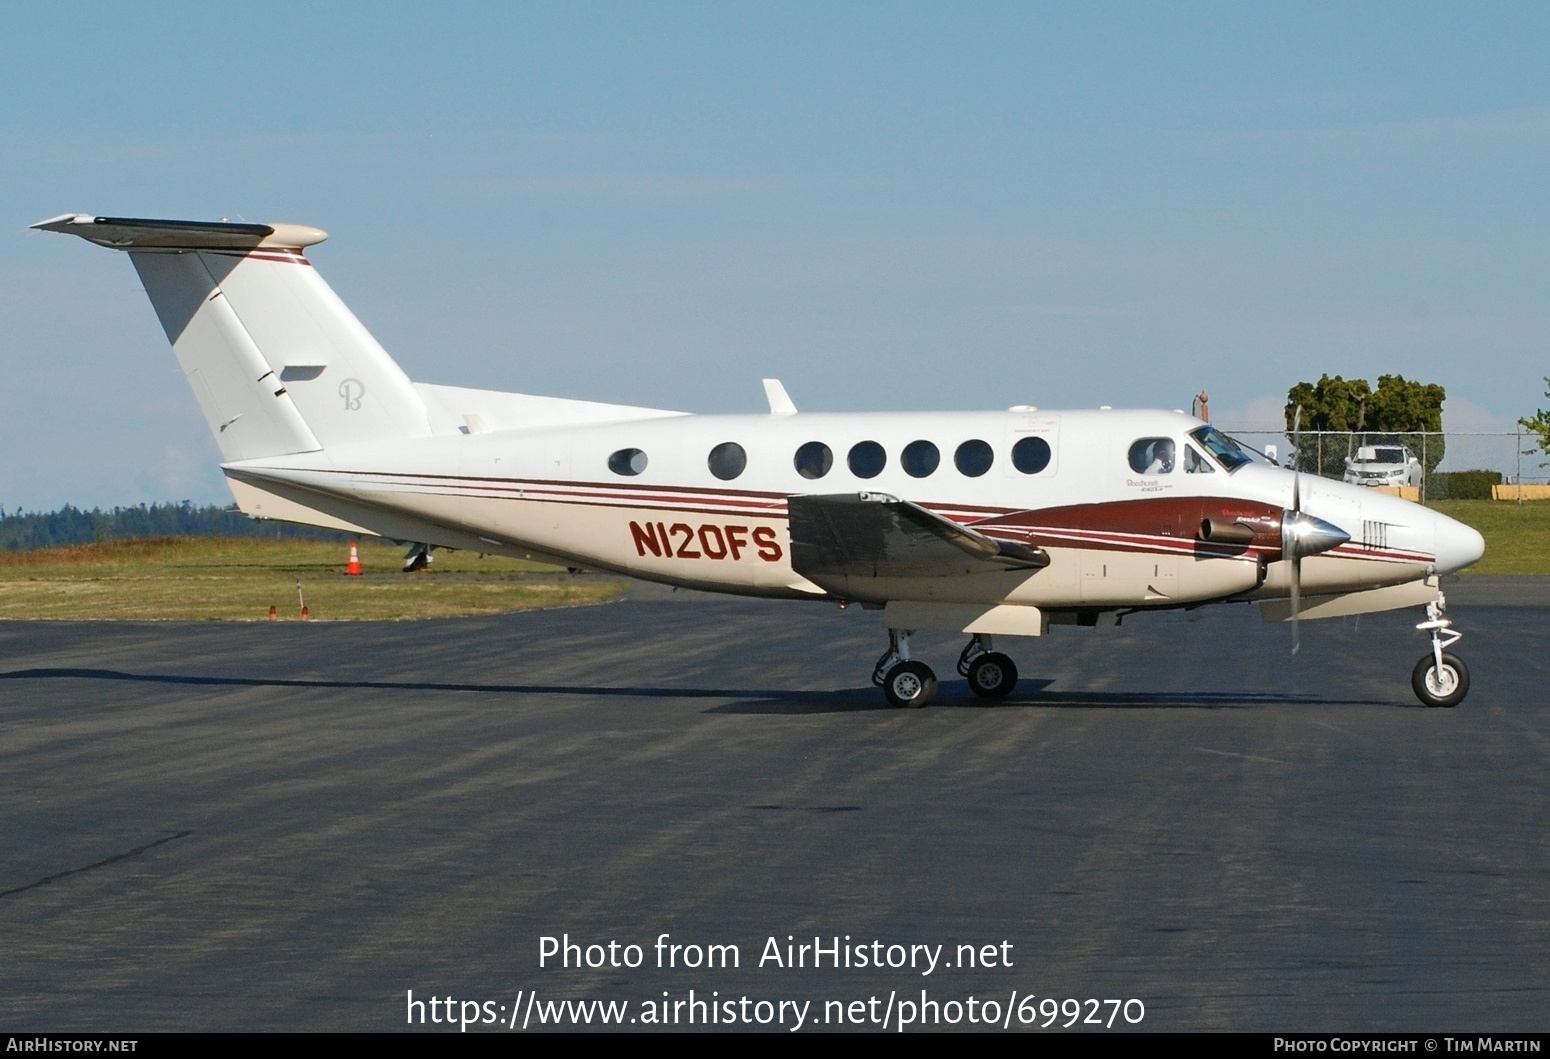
<point>919,459</point>
<point>813,460</point>
<point>974,458</point>
<point>727,460</point>
<point>628,462</point>
<point>1030,455</point>
<point>867,459</point>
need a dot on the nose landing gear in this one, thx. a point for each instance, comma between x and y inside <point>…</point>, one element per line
<point>1440,678</point>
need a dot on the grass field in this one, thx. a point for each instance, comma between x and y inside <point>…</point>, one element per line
<point>221,579</point>
<point>1517,537</point>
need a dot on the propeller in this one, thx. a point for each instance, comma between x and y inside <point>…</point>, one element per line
<point>1290,517</point>
<point>1303,534</point>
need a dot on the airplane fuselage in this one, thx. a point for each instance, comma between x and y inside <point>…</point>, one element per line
<point>1116,537</point>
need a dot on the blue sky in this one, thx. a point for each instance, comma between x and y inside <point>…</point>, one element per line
<point>888,206</point>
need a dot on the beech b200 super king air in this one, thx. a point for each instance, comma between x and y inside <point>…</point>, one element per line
<point>988,524</point>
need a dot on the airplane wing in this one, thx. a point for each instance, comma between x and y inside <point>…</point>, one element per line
<point>877,535</point>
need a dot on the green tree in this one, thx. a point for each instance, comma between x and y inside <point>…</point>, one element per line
<point>1397,412</point>
<point>1539,424</point>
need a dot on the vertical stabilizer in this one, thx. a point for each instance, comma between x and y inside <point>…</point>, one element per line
<point>277,362</point>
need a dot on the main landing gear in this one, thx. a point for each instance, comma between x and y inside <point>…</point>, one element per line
<point>992,675</point>
<point>1440,678</point>
<point>906,682</point>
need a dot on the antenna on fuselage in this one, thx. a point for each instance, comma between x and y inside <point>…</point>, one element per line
<point>781,403</point>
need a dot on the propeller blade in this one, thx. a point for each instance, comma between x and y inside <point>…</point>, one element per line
<point>1290,522</point>
<point>1296,604</point>
<point>1297,466</point>
<point>1303,535</point>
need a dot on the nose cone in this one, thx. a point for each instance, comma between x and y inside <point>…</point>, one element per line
<point>1457,545</point>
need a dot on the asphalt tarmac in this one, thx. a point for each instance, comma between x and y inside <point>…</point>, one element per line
<point>288,826</point>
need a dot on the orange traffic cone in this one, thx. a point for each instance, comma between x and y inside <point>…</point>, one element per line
<point>354,569</point>
<point>305,614</point>
<point>274,615</point>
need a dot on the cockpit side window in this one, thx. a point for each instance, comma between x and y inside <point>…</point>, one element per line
<point>1194,463</point>
<point>1152,456</point>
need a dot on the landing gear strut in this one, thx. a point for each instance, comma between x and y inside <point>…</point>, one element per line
<point>992,675</point>
<point>904,682</point>
<point>1440,678</point>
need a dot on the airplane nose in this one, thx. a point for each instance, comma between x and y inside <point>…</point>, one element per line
<point>1457,545</point>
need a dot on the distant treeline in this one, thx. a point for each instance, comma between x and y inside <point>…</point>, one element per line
<point>26,530</point>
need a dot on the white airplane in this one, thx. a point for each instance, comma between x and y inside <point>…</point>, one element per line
<point>988,524</point>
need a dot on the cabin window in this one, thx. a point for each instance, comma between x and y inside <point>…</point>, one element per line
<point>727,460</point>
<point>1031,455</point>
<point>919,459</point>
<point>627,462</point>
<point>813,460</point>
<point>1152,456</point>
<point>974,458</point>
<point>1194,463</point>
<point>867,459</point>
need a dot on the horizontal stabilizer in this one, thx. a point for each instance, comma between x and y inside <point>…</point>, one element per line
<point>877,535</point>
<point>137,233</point>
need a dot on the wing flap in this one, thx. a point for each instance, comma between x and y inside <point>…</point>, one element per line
<point>877,535</point>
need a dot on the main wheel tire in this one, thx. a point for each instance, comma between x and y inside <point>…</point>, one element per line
<point>1446,688</point>
<point>992,675</point>
<point>910,684</point>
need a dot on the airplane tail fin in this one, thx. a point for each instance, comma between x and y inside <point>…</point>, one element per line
<point>277,362</point>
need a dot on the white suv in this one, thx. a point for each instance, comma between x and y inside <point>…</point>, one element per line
<point>1383,465</point>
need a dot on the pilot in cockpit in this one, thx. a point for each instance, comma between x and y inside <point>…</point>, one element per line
<point>1160,459</point>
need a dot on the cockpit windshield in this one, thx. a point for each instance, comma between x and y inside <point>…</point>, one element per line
<point>1224,448</point>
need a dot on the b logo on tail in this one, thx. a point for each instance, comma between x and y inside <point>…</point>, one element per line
<point>352,390</point>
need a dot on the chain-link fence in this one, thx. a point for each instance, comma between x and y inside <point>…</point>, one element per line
<point>1444,465</point>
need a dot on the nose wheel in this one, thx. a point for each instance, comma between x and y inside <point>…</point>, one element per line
<point>1442,683</point>
<point>1440,678</point>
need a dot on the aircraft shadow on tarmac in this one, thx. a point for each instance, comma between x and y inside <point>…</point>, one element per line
<point>746,700</point>
<point>1030,695</point>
